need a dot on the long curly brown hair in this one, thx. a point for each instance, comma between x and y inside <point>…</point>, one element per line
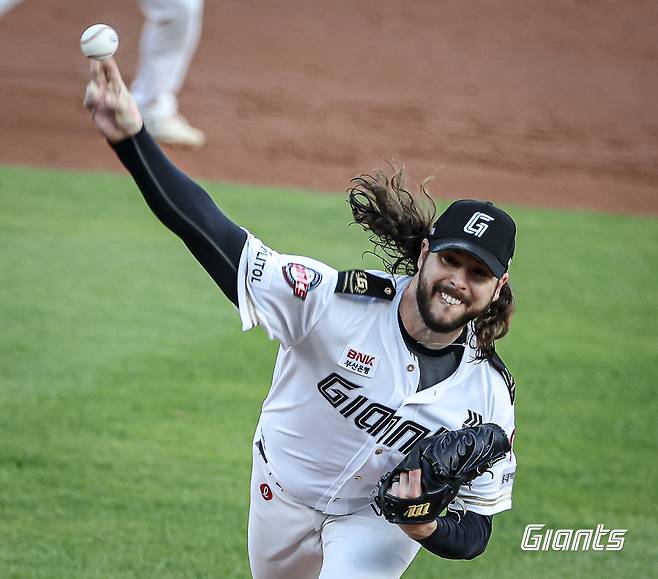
<point>398,221</point>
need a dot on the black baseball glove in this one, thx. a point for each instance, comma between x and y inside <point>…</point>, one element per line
<point>447,461</point>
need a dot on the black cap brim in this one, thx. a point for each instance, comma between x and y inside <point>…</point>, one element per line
<point>486,257</point>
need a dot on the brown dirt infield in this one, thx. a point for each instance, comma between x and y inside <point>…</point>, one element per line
<point>550,103</point>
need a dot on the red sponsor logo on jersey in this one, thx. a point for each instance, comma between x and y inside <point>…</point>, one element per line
<point>358,362</point>
<point>301,279</point>
<point>266,492</point>
<point>360,357</point>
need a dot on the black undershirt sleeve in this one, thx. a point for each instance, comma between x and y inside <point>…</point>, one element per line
<point>458,536</point>
<point>185,208</point>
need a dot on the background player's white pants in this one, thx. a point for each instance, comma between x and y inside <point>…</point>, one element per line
<point>288,540</point>
<point>169,38</point>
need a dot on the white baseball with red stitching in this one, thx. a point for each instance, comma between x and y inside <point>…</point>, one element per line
<point>99,42</point>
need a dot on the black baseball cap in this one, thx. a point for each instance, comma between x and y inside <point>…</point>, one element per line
<point>478,228</point>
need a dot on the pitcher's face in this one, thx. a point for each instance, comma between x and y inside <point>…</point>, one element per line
<point>454,288</point>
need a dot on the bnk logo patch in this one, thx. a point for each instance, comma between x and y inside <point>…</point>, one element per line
<point>358,362</point>
<point>477,223</point>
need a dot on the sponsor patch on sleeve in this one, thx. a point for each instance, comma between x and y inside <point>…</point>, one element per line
<point>507,477</point>
<point>359,362</point>
<point>301,279</point>
<point>260,275</point>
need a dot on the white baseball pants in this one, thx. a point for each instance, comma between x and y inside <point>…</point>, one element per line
<point>168,41</point>
<point>288,540</point>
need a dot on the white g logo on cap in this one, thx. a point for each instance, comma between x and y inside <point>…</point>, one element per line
<point>476,225</point>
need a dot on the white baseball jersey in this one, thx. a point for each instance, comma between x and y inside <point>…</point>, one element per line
<point>344,406</point>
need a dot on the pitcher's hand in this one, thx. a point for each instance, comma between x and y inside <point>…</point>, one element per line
<point>409,487</point>
<point>111,105</point>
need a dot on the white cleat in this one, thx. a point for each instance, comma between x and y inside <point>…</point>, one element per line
<point>176,132</point>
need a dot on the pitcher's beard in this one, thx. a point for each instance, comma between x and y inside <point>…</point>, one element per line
<point>424,297</point>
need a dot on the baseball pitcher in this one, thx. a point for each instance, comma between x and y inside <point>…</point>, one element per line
<point>389,421</point>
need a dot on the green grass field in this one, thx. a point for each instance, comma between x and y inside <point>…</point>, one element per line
<point>129,395</point>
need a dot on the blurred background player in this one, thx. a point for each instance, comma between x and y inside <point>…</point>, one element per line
<point>168,42</point>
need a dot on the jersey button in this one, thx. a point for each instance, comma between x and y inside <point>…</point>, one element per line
<point>410,368</point>
<point>379,451</point>
<point>358,477</point>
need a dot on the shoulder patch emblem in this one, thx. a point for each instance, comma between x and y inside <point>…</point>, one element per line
<point>301,279</point>
<point>361,283</point>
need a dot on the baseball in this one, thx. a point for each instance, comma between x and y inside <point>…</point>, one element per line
<point>99,42</point>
